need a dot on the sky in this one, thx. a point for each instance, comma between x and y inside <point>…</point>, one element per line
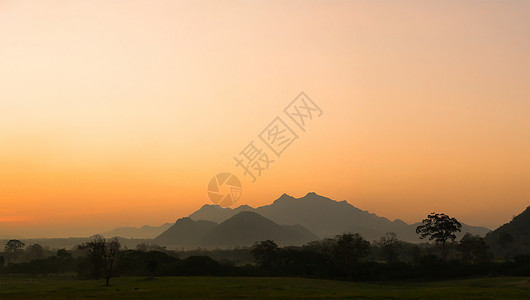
<point>118,113</point>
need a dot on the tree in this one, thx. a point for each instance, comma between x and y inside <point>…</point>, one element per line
<point>103,254</point>
<point>35,251</point>
<point>64,260</point>
<point>143,247</point>
<point>265,254</point>
<point>390,246</point>
<point>13,249</point>
<point>473,248</point>
<point>504,240</point>
<point>324,246</point>
<point>63,254</point>
<point>349,249</point>
<point>156,247</point>
<point>440,228</point>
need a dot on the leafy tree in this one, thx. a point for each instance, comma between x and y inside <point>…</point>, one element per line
<point>324,246</point>
<point>265,254</point>
<point>144,247</point>
<point>13,249</point>
<point>473,248</point>
<point>440,228</point>
<point>390,246</point>
<point>349,249</point>
<point>63,254</point>
<point>103,254</point>
<point>35,251</point>
<point>63,260</point>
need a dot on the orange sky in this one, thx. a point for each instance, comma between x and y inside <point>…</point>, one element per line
<point>118,113</point>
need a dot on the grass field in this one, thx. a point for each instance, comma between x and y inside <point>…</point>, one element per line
<point>64,287</point>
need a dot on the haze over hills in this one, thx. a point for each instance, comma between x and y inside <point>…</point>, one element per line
<point>325,218</point>
<point>144,232</point>
<point>288,221</point>
<point>242,229</point>
<point>185,233</point>
<point>246,228</point>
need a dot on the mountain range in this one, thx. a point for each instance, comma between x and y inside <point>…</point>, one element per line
<point>287,221</point>
<point>242,229</point>
<point>290,221</point>
<point>324,217</point>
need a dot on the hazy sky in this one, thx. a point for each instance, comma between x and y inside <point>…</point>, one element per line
<point>118,113</point>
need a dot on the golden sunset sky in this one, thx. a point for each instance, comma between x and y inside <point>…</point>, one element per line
<point>118,113</point>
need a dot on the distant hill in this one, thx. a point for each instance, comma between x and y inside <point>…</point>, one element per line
<point>246,228</point>
<point>325,217</point>
<point>242,229</point>
<point>144,232</point>
<point>185,233</point>
<point>218,214</point>
<point>519,231</point>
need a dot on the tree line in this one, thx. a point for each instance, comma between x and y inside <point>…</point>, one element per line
<point>346,256</point>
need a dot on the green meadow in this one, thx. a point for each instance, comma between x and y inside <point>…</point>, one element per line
<point>67,287</point>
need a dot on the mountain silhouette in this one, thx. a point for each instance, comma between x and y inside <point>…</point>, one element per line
<point>242,229</point>
<point>218,214</point>
<point>519,231</point>
<point>325,217</point>
<point>246,228</point>
<point>185,233</point>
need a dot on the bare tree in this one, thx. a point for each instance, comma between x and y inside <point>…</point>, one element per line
<point>104,254</point>
<point>390,246</point>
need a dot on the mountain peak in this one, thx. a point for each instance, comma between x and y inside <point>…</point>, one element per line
<point>284,197</point>
<point>244,206</point>
<point>184,220</point>
<point>313,195</point>
<point>211,206</point>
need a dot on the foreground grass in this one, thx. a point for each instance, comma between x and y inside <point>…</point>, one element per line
<point>64,287</point>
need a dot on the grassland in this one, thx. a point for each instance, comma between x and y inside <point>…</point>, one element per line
<point>67,287</point>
